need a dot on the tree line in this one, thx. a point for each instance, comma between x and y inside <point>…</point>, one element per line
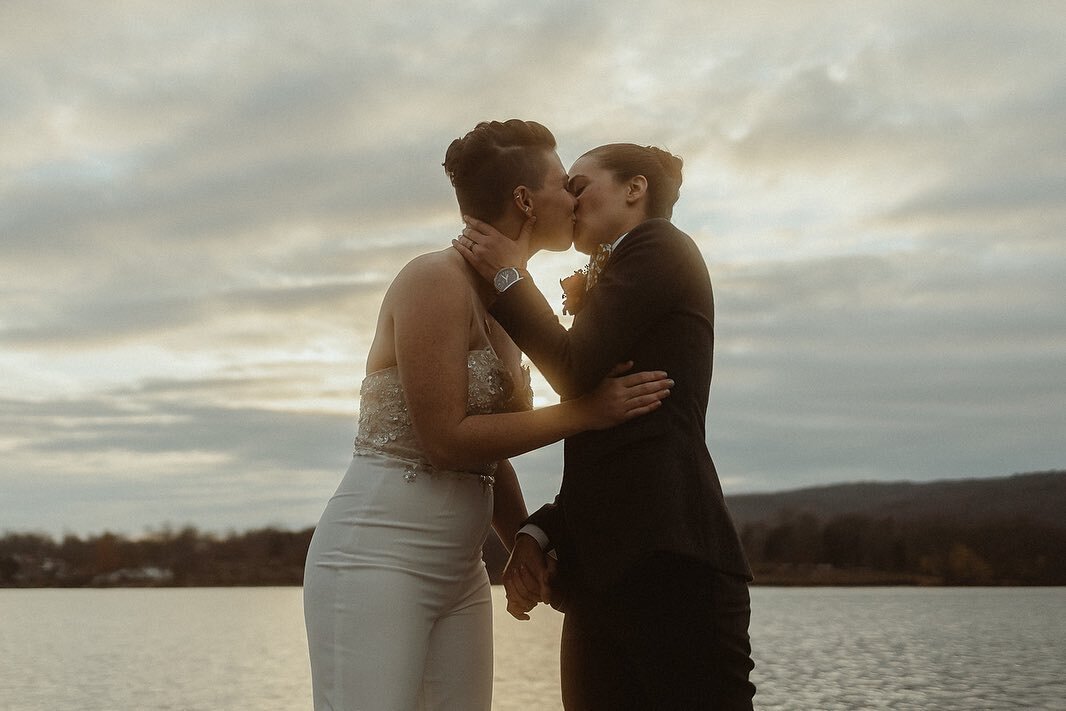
<point>800,548</point>
<point>794,548</point>
<point>168,557</point>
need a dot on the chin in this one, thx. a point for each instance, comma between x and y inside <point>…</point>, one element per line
<point>555,242</point>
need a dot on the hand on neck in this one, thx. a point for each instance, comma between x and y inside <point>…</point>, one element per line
<point>510,225</point>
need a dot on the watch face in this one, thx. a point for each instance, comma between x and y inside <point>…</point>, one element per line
<point>504,278</point>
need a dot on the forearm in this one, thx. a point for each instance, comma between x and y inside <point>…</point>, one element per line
<point>509,508</point>
<point>648,277</point>
<point>467,441</point>
<point>573,361</point>
<point>477,439</point>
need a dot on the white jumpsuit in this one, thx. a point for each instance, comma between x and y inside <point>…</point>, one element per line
<point>396,596</point>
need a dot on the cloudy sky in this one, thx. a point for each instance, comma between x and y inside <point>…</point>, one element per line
<point>201,205</point>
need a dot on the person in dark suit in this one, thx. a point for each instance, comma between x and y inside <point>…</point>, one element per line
<point>651,574</point>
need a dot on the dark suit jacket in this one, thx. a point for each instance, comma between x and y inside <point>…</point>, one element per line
<point>648,485</point>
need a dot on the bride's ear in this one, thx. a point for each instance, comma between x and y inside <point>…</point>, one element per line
<point>523,200</point>
<point>636,189</point>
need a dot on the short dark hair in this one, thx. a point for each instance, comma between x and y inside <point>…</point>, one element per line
<point>486,165</point>
<point>662,170</point>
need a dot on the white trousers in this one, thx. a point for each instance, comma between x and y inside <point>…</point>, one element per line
<point>396,597</point>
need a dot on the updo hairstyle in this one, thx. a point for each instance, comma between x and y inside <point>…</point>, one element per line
<point>662,170</point>
<point>486,165</point>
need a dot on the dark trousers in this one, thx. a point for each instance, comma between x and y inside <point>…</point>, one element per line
<point>672,635</point>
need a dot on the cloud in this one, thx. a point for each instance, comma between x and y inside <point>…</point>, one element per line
<point>201,208</point>
<point>899,367</point>
<point>165,451</point>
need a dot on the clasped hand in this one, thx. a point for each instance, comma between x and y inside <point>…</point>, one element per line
<point>527,577</point>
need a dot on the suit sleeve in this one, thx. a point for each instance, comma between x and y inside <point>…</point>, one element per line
<point>549,518</point>
<point>642,282</point>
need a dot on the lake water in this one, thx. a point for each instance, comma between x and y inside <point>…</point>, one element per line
<point>816,649</point>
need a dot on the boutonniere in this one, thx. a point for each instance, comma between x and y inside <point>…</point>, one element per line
<point>574,288</point>
<point>580,282</point>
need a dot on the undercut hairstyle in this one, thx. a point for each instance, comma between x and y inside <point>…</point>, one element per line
<point>487,164</point>
<point>661,169</point>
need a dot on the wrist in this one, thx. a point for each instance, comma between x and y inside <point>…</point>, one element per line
<point>506,277</point>
<point>579,415</point>
<point>535,532</point>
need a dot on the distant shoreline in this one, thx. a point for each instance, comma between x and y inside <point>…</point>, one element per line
<point>973,533</point>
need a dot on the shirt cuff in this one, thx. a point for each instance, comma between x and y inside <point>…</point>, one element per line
<point>536,533</point>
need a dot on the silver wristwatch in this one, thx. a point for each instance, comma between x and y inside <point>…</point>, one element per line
<point>505,278</point>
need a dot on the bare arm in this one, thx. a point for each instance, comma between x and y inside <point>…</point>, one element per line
<point>509,508</point>
<point>431,319</point>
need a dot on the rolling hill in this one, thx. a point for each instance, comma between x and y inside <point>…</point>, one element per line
<point>1039,497</point>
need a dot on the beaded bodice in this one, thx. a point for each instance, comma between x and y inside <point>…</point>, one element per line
<point>385,424</point>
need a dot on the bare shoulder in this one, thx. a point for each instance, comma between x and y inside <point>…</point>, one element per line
<point>433,268</point>
<point>433,278</point>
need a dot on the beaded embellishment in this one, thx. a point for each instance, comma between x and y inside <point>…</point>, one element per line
<point>385,423</point>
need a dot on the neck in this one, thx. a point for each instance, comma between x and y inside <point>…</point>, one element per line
<point>621,228</point>
<point>484,290</point>
<point>632,219</point>
<point>510,226</point>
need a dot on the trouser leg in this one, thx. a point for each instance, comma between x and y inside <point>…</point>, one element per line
<point>673,634</point>
<point>458,671</point>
